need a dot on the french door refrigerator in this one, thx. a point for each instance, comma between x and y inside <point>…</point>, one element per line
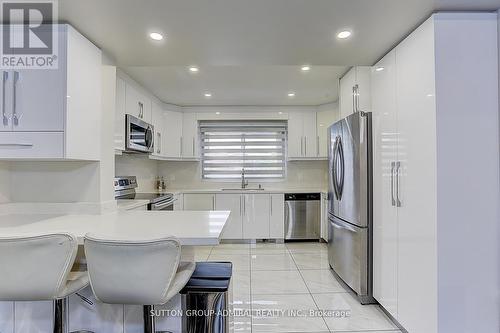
<point>350,202</point>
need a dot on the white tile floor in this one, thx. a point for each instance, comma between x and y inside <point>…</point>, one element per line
<point>281,278</point>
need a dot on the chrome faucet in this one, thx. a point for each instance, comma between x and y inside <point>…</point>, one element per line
<point>244,183</point>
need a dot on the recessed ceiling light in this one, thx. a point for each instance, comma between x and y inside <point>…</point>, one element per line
<point>156,36</point>
<point>379,69</point>
<point>291,94</point>
<point>344,34</point>
<point>305,68</point>
<point>207,94</point>
<point>194,69</point>
<point>217,112</point>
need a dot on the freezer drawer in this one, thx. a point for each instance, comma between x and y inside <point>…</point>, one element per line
<point>348,254</point>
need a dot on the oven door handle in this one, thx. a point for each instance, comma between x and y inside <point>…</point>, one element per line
<point>160,206</point>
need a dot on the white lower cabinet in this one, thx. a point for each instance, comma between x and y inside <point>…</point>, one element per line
<point>253,216</point>
<point>234,225</point>
<point>178,201</point>
<point>140,208</point>
<point>6,317</point>
<point>33,317</point>
<point>256,213</point>
<point>324,217</point>
<point>99,317</point>
<point>277,216</point>
<point>199,201</point>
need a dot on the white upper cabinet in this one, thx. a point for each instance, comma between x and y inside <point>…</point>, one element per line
<point>189,136</point>
<point>172,139</point>
<point>356,79</point>
<point>120,114</point>
<point>385,153</point>
<point>324,118</point>
<point>137,103</point>
<point>158,121</point>
<point>46,113</point>
<point>302,138</point>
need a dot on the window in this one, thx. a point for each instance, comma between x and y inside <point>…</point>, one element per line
<point>230,147</point>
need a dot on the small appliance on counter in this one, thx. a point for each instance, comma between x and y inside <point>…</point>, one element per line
<point>350,202</point>
<point>125,189</point>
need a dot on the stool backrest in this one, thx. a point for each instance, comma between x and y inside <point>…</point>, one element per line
<point>35,267</point>
<point>130,271</point>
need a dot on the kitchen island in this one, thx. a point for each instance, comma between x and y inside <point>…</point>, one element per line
<point>190,227</point>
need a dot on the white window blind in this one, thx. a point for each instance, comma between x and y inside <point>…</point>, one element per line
<point>230,147</point>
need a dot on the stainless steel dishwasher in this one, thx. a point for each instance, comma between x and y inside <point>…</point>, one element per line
<point>302,216</point>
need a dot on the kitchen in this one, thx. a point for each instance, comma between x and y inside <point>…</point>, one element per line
<point>328,161</point>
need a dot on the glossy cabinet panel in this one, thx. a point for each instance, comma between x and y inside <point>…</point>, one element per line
<point>172,138</point>
<point>302,138</point>
<point>189,136</point>
<point>385,153</point>
<point>120,114</point>
<point>417,185</point>
<point>137,103</point>
<point>277,218</point>
<point>256,209</point>
<point>196,201</point>
<point>234,203</point>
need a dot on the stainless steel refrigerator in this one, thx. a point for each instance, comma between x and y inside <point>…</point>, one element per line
<point>350,202</point>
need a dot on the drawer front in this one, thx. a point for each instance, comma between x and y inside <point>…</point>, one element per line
<point>15,145</point>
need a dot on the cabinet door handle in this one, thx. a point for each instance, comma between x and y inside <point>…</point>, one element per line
<point>180,143</point>
<point>305,146</point>
<point>4,116</point>
<point>301,146</point>
<point>16,145</point>
<point>354,99</point>
<point>141,109</point>
<point>15,117</point>
<point>398,168</point>
<point>213,202</point>
<point>193,147</point>
<point>393,201</point>
<point>241,209</point>
<point>317,145</point>
<point>158,139</point>
<point>271,199</point>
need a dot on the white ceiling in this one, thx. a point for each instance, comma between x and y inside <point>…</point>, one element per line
<point>250,36</point>
<point>241,85</point>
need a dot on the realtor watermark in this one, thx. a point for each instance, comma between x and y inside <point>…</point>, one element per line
<point>259,313</point>
<point>29,34</point>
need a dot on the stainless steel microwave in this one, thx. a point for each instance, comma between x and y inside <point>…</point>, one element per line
<point>138,135</point>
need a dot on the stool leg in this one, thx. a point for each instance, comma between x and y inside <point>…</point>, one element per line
<point>149,320</point>
<point>60,322</point>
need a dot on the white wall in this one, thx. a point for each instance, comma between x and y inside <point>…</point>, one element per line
<point>333,107</point>
<point>140,166</point>
<point>300,174</point>
<point>54,181</point>
<point>4,182</point>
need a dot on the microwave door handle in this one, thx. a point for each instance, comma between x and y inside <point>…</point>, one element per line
<point>149,138</point>
<point>393,201</point>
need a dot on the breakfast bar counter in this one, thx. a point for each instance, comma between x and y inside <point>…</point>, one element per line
<point>190,227</point>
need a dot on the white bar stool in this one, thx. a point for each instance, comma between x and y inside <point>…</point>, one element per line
<point>140,272</point>
<point>38,268</point>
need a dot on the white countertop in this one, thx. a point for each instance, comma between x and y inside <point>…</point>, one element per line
<point>238,190</point>
<point>190,227</point>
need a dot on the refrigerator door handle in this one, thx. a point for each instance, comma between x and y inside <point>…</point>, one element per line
<point>354,99</point>
<point>342,163</point>
<point>334,169</point>
<point>398,168</point>
<point>393,201</point>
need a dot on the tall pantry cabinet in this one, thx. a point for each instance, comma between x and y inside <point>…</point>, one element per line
<point>432,126</point>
